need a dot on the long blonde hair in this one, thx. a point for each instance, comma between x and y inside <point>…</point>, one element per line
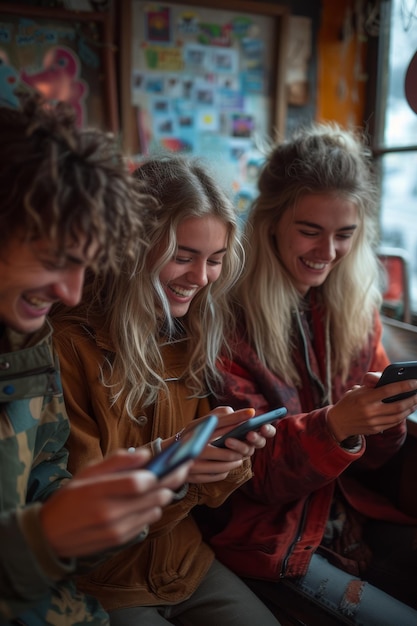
<point>134,304</point>
<point>320,159</point>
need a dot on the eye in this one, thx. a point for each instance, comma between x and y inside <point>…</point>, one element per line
<point>53,265</point>
<point>182,259</point>
<point>345,236</point>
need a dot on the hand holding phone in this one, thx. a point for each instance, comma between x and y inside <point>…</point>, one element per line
<point>186,449</point>
<point>395,372</point>
<point>254,423</point>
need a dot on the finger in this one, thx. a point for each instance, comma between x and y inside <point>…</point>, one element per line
<point>210,467</point>
<point>268,431</point>
<point>256,440</point>
<point>246,413</point>
<point>221,412</point>
<point>174,480</point>
<point>207,478</point>
<point>118,485</point>
<point>128,527</point>
<point>227,422</point>
<point>392,389</point>
<point>119,461</point>
<point>384,427</point>
<point>397,410</point>
<point>370,379</point>
<point>216,454</point>
<point>244,448</point>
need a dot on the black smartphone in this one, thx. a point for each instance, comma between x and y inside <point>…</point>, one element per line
<point>183,450</point>
<point>254,423</point>
<point>395,372</point>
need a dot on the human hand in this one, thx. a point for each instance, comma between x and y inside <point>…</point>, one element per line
<point>107,504</point>
<point>215,463</point>
<point>361,410</point>
<point>370,379</point>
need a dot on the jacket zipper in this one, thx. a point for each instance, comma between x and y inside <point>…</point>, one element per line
<point>48,370</point>
<point>297,539</point>
<point>313,376</point>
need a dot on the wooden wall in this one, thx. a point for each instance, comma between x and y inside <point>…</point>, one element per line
<point>342,46</point>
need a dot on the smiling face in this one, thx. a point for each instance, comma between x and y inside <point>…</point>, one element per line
<point>33,277</point>
<point>201,246</point>
<point>314,236</point>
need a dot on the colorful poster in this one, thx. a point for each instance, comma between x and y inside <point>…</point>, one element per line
<point>56,58</point>
<point>200,80</point>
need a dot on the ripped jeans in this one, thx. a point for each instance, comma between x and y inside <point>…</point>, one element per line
<point>347,599</point>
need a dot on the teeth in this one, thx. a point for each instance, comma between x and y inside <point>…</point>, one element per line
<point>180,291</point>
<point>315,266</point>
<point>37,302</point>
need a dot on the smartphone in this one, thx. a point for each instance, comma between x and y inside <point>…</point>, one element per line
<point>395,372</point>
<point>254,423</point>
<point>183,450</point>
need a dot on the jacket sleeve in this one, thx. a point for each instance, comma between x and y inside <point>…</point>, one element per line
<point>28,566</point>
<point>302,447</point>
<point>303,456</point>
<point>90,426</point>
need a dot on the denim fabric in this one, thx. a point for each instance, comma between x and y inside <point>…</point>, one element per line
<point>346,599</point>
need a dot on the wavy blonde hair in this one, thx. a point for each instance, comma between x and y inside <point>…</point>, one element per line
<point>135,308</point>
<point>323,158</point>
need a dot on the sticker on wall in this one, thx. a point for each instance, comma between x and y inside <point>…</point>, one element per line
<point>158,24</point>
<point>188,23</point>
<point>242,125</point>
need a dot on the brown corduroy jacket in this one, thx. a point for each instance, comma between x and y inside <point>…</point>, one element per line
<point>170,563</point>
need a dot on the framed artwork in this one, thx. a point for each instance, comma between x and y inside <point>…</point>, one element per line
<point>63,55</point>
<point>207,79</point>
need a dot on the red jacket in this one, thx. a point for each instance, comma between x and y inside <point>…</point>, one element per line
<point>277,520</point>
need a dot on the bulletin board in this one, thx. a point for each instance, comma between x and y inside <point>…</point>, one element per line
<point>207,81</point>
<point>64,56</point>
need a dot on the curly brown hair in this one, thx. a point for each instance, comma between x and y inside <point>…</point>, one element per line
<point>58,181</point>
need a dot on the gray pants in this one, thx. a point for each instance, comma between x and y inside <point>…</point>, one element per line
<point>221,599</point>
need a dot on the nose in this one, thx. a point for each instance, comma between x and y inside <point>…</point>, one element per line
<point>198,274</point>
<point>327,249</point>
<point>69,288</point>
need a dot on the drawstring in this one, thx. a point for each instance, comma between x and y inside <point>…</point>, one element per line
<point>325,387</point>
<point>329,385</point>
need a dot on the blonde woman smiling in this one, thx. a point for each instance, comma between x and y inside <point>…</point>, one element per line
<point>138,361</point>
<point>309,337</point>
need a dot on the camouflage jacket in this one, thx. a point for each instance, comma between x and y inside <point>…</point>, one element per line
<point>35,586</point>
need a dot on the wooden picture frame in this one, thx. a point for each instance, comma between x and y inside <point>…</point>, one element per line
<point>64,55</point>
<point>278,14</point>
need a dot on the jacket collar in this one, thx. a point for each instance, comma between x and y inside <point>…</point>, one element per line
<point>29,369</point>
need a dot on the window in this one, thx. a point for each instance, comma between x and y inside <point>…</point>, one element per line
<point>396,137</point>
